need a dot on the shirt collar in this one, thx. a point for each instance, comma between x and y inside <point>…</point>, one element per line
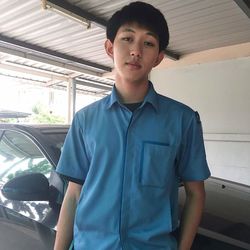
<point>151,97</point>
<point>113,98</point>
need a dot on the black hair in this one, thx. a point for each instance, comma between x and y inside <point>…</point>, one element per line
<point>143,14</point>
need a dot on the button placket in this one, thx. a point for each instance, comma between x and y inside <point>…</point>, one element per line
<point>127,178</point>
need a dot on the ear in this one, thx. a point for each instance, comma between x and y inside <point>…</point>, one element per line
<point>109,48</point>
<point>159,58</point>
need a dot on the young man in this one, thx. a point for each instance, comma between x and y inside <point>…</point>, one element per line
<point>125,154</point>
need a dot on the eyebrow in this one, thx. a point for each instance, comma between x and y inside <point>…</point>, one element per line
<point>148,32</point>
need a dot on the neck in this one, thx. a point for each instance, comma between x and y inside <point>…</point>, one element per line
<point>131,92</point>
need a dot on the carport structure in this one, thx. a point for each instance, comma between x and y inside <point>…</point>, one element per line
<point>60,43</point>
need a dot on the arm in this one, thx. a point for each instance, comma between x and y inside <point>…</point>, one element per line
<point>64,233</point>
<point>192,212</point>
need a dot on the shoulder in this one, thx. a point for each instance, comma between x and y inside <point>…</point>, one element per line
<point>175,106</point>
<point>89,113</point>
<point>177,112</point>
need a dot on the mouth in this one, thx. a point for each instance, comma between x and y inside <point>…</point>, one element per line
<point>133,65</point>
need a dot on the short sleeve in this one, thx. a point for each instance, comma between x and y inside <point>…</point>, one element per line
<point>192,163</point>
<point>73,163</point>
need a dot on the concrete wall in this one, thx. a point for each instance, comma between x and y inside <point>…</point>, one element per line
<point>220,91</point>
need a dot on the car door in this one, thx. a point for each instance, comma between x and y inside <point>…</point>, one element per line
<point>20,155</point>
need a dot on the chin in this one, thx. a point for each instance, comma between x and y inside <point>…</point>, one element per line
<point>137,81</point>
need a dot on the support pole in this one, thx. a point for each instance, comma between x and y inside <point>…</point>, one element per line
<point>69,101</point>
<point>74,82</point>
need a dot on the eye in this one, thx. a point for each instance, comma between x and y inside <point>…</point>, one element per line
<point>149,44</point>
<point>127,39</point>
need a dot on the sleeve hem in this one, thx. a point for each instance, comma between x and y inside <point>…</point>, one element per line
<point>75,180</point>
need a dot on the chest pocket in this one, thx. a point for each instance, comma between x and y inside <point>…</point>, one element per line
<point>156,166</point>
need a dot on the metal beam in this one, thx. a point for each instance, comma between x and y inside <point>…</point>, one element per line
<point>172,55</point>
<point>91,84</point>
<point>98,21</point>
<point>52,83</point>
<point>244,5</point>
<point>55,62</point>
<point>27,70</point>
<point>79,12</point>
<point>39,82</point>
<point>12,43</point>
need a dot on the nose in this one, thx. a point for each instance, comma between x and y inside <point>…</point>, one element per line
<point>136,52</point>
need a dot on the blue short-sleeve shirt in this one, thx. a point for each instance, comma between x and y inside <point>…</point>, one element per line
<point>131,164</point>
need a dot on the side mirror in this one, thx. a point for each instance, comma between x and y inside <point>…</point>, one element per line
<point>28,187</point>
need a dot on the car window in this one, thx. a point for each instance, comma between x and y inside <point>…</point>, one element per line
<point>20,155</point>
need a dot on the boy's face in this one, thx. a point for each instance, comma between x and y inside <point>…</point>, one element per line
<point>135,51</point>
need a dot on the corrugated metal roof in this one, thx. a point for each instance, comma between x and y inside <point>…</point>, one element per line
<point>195,25</point>
<point>28,22</point>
